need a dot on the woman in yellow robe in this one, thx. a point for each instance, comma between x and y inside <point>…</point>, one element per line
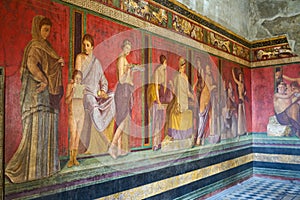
<point>180,120</point>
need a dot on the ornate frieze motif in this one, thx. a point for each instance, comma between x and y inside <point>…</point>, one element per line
<point>219,42</point>
<point>271,49</point>
<point>197,33</point>
<point>107,2</point>
<point>161,16</point>
<point>273,53</point>
<point>146,10</point>
<point>187,28</point>
<point>181,25</point>
<point>241,51</point>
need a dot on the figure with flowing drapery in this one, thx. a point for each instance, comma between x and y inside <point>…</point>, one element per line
<point>199,83</point>
<point>180,117</point>
<point>229,112</point>
<point>41,92</point>
<point>124,102</point>
<point>207,106</point>
<point>98,103</point>
<point>159,95</point>
<point>198,88</point>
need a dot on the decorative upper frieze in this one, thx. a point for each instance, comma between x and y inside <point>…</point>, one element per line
<point>165,17</point>
<point>271,49</point>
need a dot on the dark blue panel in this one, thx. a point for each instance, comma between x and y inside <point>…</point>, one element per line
<point>285,166</point>
<point>276,150</point>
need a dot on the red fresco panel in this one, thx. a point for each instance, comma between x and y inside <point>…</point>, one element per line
<point>262,82</point>
<point>292,71</point>
<point>14,40</point>
<point>248,104</point>
<point>227,67</point>
<point>262,98</point>
<point>108,37</point>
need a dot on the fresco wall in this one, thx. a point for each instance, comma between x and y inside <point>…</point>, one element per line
<point>268,80</point>
<point>12,61</point>
<point>220,100</point>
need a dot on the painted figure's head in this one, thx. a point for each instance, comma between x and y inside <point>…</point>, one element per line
<point>77,76</point>
<point>182,64</point>
<point>163,60</point>
<point>45,27</point>
<point>88,44</point>
<point>282,88</point>
<point>126,47</point>
<point>295,87</point>
<point>208,69</point>
<point>278,73</point>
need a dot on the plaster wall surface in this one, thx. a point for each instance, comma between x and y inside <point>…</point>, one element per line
<point>272,18</point>
<point>232,14</point>
<point>254,19</point>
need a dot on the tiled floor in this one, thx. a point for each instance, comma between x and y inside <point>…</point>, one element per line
<point>258,188</point>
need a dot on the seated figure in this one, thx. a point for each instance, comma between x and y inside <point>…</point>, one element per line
<point>287,109</point>
<point>180,118</point>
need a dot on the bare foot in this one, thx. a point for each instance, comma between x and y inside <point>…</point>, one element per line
<point>113,151</point>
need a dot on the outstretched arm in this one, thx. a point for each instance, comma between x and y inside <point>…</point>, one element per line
<point>234,78</point>
<point>290,79</point>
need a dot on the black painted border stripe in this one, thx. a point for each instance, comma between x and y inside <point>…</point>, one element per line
<point>284,166</point>
<point>136,180</point>
<point>183,190</point>
<point>276,150</point>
